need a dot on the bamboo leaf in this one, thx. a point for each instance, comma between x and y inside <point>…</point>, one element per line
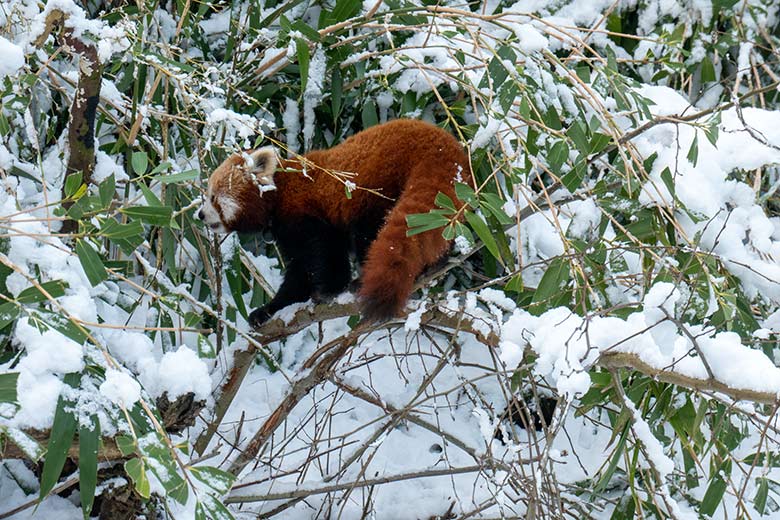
<point>554,279</point>
<point>27,444</point>
<point>91,262</point>
<point>89,440</point>
<point>8,382</point>
<point>184,176</point>
<point>156,216</point>
<point>140,162</point>
<point>62,432</point>
<point>9,312</point>
<point>106,190</point>
<point>481,229</point>
<point>219,481</point>
<point>55,289</point>
<point>136,470</point>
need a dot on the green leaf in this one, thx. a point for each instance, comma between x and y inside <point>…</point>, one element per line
<point>666,177</point>
<point>345,9</point>
<point>27,444</point>
<point>137,472</point>
<point>72,184</point>
<point>369,115</point>
<point>60,439</point>
<point>209,508</point>
<point>599,141</point>
<point>617,454</point>
<point>156,216</point>
<point>89,441</point>
<point>707,70</point>
<point>5,128</point>
<point>422,222</point>
<point>106,190</point>
<point>714,493</point>
<point>574,177</point>
<point>126,444</point>
<point>712,129</point>
<point>236,284</point>
<point>336,91</point>
<point>310,33</point>
<point>693,152</point>
<point>558,155</point>
<point>140,162</point>
<point>577,135</point>
<point>164,467</point>
<point>91,262</point>
<point>554,279</point>
<point>493,204</point>
<point>216,479</point>
<point>184,176</point>
<point>465,193</point>
<point>443,201</point>
<point>150,197</point>
<point>762,493</point>
<point>55,288</point>
<point>110,228</point>
<point>8,387</point>
<point>62,325</point>
<point>205,349</point>
<point>9,312</point>
<point>481,229</point>
<point>163,166</point>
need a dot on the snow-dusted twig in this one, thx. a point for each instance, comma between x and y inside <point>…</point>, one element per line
<point>308,490</point>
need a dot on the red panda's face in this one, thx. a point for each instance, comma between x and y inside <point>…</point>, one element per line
<point>234,199</point>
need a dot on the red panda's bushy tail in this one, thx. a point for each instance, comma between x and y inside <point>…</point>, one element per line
<point>394,260</point>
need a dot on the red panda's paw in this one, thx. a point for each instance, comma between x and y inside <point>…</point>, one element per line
<point>259,316</point>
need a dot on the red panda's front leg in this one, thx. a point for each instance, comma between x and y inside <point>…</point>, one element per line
<point>295,288</point>
<point>317,258</point>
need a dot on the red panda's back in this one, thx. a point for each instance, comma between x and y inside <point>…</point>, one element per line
<point>385,158</point>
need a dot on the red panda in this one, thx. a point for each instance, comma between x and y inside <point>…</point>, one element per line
<point>399,167</point>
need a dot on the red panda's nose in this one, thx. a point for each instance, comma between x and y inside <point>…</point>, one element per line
<point>200,214</point>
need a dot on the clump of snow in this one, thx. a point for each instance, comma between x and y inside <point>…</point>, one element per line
<point>567,345</point>
<point>48,351</point>
<point>531,40</point>
<point>13,58</point>
<point>177,373</point>
<point>412,322</point>
<point>292,124</point>
<point>237,128</point>
<point>730,223</point>
<point>658,310</point>
<point>106,166</point>
<point>120,388</point>
<point>313,95</point>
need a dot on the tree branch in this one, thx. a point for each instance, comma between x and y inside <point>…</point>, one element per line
<point>81,129</point>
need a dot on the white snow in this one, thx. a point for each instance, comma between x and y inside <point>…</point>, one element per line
<point>120,388</point>
<point>177,373</point>
<point>12,58</point>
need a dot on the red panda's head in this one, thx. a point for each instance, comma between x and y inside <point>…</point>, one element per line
<point>240,193</point>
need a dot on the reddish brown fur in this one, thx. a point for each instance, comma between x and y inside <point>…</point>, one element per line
<point>407,161</point>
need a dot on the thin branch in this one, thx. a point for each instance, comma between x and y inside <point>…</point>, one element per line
<point>305,491</point>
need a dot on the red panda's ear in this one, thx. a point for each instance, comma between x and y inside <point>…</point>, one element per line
<point>264,164</point>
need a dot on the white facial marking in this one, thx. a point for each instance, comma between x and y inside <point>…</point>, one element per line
<point>211,216</point>
<point>229,208</point>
